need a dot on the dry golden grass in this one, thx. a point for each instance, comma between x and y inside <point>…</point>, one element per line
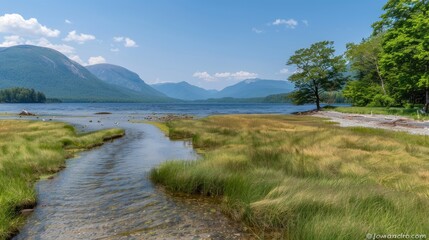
<point>300,177</point>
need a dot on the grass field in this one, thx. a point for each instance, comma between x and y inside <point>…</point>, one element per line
<point>30,150</point>
<point>300,177</point>
<point>406,112</point>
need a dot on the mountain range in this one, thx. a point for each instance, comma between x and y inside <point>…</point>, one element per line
<point>250,88</point>
<point>52,73</point>
<point>184,90</point>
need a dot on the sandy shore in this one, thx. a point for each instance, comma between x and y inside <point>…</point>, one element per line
<point>390,122</point>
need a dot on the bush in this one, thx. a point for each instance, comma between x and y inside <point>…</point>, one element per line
<point>381,100</point>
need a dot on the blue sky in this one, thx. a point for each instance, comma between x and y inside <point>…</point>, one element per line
<point>211,44</point>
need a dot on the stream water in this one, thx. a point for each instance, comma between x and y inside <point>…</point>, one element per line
<point>105,193</point>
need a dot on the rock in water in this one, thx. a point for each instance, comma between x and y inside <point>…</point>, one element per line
<point>26,113</point>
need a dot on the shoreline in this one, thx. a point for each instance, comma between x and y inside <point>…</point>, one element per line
<point>387,122</point>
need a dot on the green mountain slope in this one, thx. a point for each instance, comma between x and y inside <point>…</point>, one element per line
<point>52,73</point>
<point>120,76</point>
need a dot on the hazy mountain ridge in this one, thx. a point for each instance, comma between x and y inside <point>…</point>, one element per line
<point>185,91</point>
<point>120,76</point>
<point>256,88</point>
<point>250,88</point>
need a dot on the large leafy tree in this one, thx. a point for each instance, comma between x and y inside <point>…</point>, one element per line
<point>318,70</point>
<point>364,59</point>
<point>405,58</point>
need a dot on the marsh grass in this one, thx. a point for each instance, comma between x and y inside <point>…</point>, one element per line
<point>30,150</point>
<point>406,112</point>
<point>299,177</point>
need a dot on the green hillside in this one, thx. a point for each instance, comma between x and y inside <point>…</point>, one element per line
<point>120,76</point>
<point>57,76</point>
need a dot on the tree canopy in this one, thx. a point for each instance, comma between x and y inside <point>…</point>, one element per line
<point>21,95</point>
<point>391,66</point>
<point>318,70</point>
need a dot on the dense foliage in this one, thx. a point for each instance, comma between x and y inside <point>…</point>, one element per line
<point>21,95</point>
<point>319,70</point>
<point>392,65</point>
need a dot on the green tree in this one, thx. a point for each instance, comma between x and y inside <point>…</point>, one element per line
<point>21,95</point>
<point>364,59</point>
<point>318,70</point>
<point>405,57</point>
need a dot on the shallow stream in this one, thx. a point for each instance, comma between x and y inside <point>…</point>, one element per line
<point>105,193</point>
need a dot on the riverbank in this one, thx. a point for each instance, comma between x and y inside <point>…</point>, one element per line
<point>31,150</point>
<point>300,177</point>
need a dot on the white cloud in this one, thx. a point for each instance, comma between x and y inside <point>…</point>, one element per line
<point>118,39</point>
<point>13,40</point>
<point>68,21</point>
<point>17,25</point>
<point>240,75</point>
<point>96,60</point>
<point>128,42</point>
<point>67,50</point>
<point>255,30</point>
<point>284,71</point>
<point>91,60</point>
<point>79,38</point>
<point>243,75</point>
<point>223,75</point>
<point>204,76</point>
<point>43,42</point>
<point>77,59</point>
<point>290,23</point>
<point>305,22</point>
<point>114,49</point>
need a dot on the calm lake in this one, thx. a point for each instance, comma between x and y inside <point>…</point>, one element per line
<point>105,193</point>
<point>204,109</point>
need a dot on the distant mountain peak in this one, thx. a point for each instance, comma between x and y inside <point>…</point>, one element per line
<point>120,76</point>
<point>249,88</point>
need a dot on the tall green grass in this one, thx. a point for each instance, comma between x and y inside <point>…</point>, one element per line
<point>29,150</point>
<point>299,177</point>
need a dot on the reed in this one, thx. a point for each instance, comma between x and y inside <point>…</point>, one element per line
<point>301,177</point>
<point>30,150</point>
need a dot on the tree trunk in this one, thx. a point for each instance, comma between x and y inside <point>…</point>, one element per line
<point>317,98</point>
<point>381,78</point>
<point>427,101</point>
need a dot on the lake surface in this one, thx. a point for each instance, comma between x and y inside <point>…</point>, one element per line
<point>105,193</point>
<point>85,109</point>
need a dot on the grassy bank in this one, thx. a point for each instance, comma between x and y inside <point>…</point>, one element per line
<point>406,112</point>
<point>299,177</point>
<point>30,150</point>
